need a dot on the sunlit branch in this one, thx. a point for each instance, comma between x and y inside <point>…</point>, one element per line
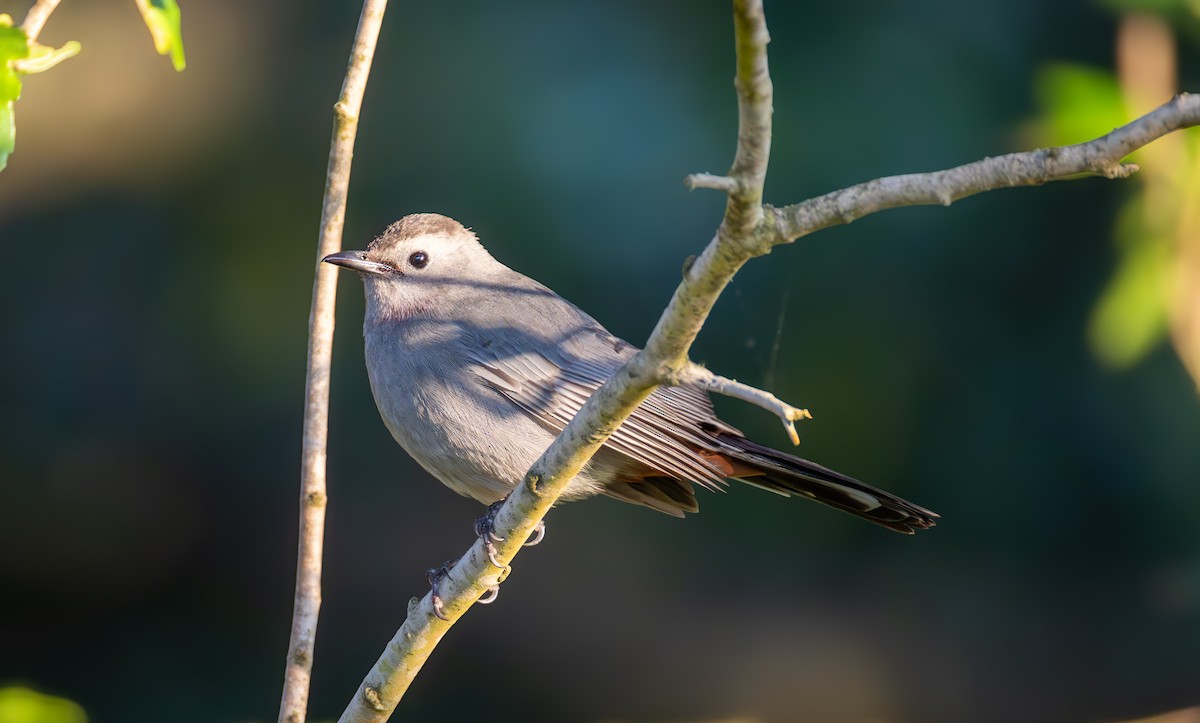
<point>748,229</point>
<point>1100,157</point>
<point>307,604</point>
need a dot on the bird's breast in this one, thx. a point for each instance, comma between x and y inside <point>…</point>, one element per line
<point>453,424</point>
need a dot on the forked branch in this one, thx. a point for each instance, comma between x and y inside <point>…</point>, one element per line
<point>748,229</point>
<point>662,359</point>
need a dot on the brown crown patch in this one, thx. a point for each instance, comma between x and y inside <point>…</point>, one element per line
<point>418,224</point>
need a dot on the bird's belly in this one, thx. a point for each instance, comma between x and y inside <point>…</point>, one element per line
<point>464,433</point>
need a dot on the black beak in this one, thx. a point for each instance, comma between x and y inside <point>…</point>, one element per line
<point>358,261</point>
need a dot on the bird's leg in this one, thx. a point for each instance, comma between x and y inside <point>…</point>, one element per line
<point>436,575</point>
<point>485,528</point>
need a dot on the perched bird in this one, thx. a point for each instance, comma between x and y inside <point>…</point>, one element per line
<point>476,368</point>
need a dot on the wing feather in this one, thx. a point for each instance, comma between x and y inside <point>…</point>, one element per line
<point>554,392</point>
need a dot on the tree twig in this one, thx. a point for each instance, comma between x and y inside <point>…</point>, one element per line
<point>708,180</point>
<point>1100,157</point>
<point>743,209</point>
<point>298,672</point>
<point>36,18</point>
<point>747,230</point>
<point>789,415</point>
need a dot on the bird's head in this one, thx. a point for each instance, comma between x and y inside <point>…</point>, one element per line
<point>418,261</point>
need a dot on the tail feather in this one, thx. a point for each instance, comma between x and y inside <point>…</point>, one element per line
<point>785,474</point>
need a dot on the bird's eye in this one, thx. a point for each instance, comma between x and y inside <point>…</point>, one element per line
<point>418,259</point>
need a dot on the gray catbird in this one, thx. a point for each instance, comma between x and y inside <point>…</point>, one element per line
<point>476,369</point>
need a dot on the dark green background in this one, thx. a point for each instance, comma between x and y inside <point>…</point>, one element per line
<point>158,249</point>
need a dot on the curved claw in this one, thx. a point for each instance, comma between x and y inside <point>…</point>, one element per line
<point>493,592</point>
<point>491,554</point>
<point>435,576</point>
<point>539,533</point>
<point>437,608</point>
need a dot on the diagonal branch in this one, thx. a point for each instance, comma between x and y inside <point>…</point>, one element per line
<point>307,604</point>
<point>1101,156</point>
<point>660,362</point>
<point>746,231</point>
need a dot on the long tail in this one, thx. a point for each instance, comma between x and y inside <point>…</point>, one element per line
<point>780,472</point>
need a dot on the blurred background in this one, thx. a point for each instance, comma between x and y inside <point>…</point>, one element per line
<point>1017,362</point>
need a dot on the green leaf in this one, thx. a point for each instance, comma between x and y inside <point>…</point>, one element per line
<point>14,46</point>
<point>8,132</point>
<point>162,17</point>
<point>1130,317</point>
<point>22,705</point>
<point>42,57</point>
<point>1077,102</point>
<point>18,56</point>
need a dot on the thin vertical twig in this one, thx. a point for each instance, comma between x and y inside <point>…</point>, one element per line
<point>36,18</point>
<point>298,673</point>
<point>743,210</point>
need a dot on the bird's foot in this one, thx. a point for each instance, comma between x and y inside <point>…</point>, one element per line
<point>485,528</point>
<point>436,575</point>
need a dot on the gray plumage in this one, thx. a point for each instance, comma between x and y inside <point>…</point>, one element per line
<point>476,368</point>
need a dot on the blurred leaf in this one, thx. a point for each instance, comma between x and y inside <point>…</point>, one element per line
<point>1185,297</point>
<point>14,46</point>
<point>42,57</point>
<point>1077,104</point>
<point>163,19</point>
<point>8,132</point>
<point>22,705</point>
<point>1130,316</point>
<point>20,57</point>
